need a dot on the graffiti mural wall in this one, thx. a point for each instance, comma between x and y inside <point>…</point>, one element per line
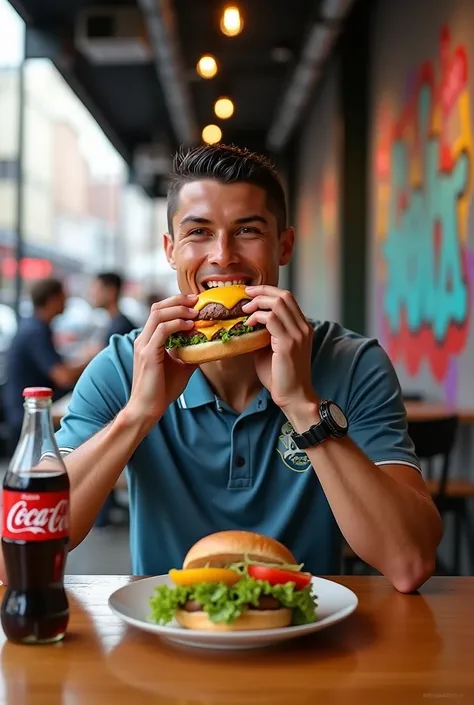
<point>422,284</point>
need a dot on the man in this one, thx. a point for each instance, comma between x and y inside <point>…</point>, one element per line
<point>106,290</point>
<point>206,448</point>
<point>32,360</point>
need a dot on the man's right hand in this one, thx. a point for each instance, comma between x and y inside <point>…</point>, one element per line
<point>158,378</point>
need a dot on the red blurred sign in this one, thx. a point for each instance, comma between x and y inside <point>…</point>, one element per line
<point>30,268</point>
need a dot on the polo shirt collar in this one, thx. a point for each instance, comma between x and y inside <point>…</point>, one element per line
<point>199,393</point>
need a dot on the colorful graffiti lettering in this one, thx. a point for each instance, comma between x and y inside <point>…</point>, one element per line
<point>422,165</point>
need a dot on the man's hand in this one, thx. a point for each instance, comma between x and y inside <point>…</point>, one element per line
<point>158,378</point>
<point>285,369</point>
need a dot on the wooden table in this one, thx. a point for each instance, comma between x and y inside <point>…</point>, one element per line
<point>428,411</point>
<point>395,649</point>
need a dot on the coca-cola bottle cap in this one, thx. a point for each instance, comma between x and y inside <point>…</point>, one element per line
<point>38,392</point>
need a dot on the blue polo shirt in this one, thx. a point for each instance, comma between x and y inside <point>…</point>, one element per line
<point>204,467</point>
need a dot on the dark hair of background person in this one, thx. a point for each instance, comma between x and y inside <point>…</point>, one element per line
<point>111,279</point>
<point>226,164</point>
<point>44,290</point>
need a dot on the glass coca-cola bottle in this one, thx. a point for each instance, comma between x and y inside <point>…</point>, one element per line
<point>35,529</point>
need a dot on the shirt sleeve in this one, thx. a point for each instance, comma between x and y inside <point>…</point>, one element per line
<point>376,411</point>
<point>97,398</point>
<point>43,352</point>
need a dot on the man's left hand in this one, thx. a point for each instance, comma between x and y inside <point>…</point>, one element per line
<point>284,368</point>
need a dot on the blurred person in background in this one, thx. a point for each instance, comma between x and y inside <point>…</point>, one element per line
<point>154,297</point>
<point>106,291</point>
<point>32,360</point>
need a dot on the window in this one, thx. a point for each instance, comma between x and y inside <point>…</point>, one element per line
<point>8,170</point>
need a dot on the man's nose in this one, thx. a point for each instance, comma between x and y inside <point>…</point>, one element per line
<point>223,252</point>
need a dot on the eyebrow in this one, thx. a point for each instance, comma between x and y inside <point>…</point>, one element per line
<point>238,221</point>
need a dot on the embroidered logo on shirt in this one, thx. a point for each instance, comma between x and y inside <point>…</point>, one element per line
<point>293,457</point>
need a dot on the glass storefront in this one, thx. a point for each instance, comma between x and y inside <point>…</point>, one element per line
<point>78,213</point>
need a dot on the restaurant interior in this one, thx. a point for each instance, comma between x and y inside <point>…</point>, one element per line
<point>365,108</point>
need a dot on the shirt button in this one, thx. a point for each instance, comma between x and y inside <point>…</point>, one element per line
<point>239,461</point>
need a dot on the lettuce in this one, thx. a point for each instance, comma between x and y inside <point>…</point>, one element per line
<point>180,340</point>
<point>224,604</point>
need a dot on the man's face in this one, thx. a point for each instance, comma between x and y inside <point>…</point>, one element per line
<point>99,294</point>
<point>59,303</point>
<point>225,233</point>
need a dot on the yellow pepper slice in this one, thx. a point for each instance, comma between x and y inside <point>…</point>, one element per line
<point>193,576</point>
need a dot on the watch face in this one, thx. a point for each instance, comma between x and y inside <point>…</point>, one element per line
<point>338,416</point>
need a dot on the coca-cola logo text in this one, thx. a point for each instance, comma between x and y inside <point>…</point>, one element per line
<point>35,516</point>
<point>21,518</point>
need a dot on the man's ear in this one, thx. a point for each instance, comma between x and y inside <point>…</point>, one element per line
<point>168,246</point>
<point>287,243</point>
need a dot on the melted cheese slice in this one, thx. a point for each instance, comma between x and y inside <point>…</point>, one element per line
<point>228,296</point>
<point>209,331</point>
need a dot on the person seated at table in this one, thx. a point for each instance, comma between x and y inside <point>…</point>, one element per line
<point>206,448</point>
<point>33,360</point>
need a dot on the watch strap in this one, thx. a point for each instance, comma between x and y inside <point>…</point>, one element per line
<point>326,428</point>
<point>312,437</point>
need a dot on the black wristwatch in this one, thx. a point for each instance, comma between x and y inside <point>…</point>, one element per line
<point>333,424</point>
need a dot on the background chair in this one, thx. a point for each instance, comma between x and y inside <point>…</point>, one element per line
<point>434,442</point>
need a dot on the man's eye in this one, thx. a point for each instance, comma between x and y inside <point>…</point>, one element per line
<point>249,231</point>
<point>198,231</point>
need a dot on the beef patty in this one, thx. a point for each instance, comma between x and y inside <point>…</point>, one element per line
<point>219,312</point>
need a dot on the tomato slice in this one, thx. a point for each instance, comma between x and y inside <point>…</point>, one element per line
<point>193,576</point>
<point>275,576</point>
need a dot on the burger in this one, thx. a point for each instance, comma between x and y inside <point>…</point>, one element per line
<point>233,581</point>
<point>220,328</point>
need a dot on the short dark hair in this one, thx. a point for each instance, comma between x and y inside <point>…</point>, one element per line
<point>226,164</point>
<point>43,290</point>
<point>111,279</point>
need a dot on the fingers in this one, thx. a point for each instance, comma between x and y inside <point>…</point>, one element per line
<point>271,321</point>
<point>282,302</point>
<point>177,307</point>
<point>278,306</point>
<point>178,300</point>
<point>165,329</point>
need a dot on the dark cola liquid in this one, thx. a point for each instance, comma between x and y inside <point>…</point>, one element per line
<point>35,608</point>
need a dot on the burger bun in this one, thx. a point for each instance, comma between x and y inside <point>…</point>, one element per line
<point>223,548</point>
<point>217,350</point>
<point>248,621</point>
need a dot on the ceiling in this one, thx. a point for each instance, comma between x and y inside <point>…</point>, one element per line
<point>131,101</point>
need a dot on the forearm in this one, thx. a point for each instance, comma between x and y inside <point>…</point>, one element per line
<point>389,524</point>
<point>95,467</point>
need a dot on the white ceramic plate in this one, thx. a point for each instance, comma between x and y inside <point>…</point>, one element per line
<point>132,604</point>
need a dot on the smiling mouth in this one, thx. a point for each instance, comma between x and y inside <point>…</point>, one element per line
<point>211,284</point>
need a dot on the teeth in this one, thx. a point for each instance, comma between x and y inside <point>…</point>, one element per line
<point>213,285</point>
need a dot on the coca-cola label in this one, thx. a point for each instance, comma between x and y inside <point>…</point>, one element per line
<point>35,516</point>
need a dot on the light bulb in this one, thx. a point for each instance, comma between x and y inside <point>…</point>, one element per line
<point>231,21</point>
<point>212,134</point>
<point>224,108</point>
<point>207,66</point>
